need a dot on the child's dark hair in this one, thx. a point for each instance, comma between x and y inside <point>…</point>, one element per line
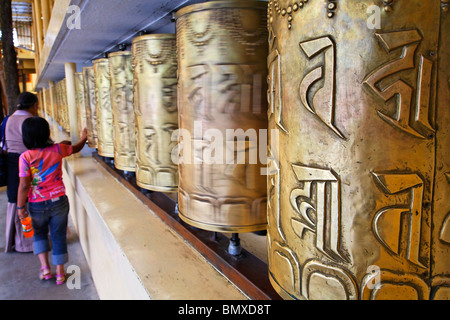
<point>26,100</point>
<point>36,133</point>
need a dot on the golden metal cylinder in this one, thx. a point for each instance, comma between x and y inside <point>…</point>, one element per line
<point>155,105</point>
<point>48,102</point>
<point>56,102</point>
<point>121,74</point>
<point>41,104</point>
<point>80,101</point>
<point>91,110</point>
<point>358,168</point>
<point>64,107</point>
<point>440,234</point>
<point>222,105</point>
<point>60,103</point>
<point>105,128</point>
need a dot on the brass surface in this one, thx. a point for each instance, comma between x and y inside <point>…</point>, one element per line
<point>61,107</point>
<point>105,128</point>
<point>155,105</point>
<point>48,102</point>
<point>222,53</point>
<point>80,101</point>
<point>56,109</point>
<point>440,234</point>
<point>64,106</point>
<point>91,110</point>
<point>358,187</point>
<point>41,105</point>
<point>121,73</point>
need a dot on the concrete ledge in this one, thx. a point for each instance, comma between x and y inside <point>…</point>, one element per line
<point>132,253</point>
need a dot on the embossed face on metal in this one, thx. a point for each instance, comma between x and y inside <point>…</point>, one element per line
<point>105,127</point>
<point>155,106</point>
<point>121,75</point>
<point>222,53</point>
<point>91,111</point>
<point>358,178</point>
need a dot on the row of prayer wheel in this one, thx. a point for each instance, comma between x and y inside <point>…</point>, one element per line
<point>349,98</point>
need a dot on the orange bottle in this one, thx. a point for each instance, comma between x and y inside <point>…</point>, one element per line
<point>27,228</point>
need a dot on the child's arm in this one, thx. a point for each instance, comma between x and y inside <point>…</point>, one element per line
<point>80,144</point>
<point>24,188</point>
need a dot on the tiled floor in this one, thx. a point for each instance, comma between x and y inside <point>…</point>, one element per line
<point>19,272</point>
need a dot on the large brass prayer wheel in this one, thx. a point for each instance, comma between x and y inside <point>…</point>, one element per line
<point>222,105</point>
<point>121,73</point>
<point>105,128</point>
<point>64,106</point>
<point>359,173</point>
<point>156,114</point>
<point>80,101</point>
<point>91,111</point>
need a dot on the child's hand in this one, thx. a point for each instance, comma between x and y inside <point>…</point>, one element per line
<point>22,213</point>
<point>84,134</point>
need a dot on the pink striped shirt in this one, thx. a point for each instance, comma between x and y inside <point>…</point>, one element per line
<point>44,166</point>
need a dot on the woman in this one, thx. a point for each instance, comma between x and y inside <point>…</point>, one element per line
<point>40,172</point>
<point>27,105</point>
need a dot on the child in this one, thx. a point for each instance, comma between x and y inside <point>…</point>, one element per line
<point>40,172</point>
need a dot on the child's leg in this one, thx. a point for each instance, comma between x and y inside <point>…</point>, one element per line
<point>58,232</point>
<point>46,272</point>
<point>43,258</point>
<point>41,246</point>
<point>60,274</point>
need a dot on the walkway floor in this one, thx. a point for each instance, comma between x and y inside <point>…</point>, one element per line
<point>19,272</point>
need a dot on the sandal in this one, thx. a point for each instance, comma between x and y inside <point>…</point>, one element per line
<point>46,276</point>
<point>60,279</point>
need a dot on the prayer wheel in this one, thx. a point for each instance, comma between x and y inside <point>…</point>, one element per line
<point>121,73</point>
<point>105,128</point>
<point>222,105</point>
<point>156,114</point>
<point>59,109</point>
<point>91,111</point>
<point>359,149</point>
<point>48,102</point>
<point>55,92</point>
<point>80,101</point>
<point>64,107</point>
<point>58,104</point>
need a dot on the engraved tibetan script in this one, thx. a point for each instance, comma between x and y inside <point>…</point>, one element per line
<point>323,103</point>
<point>408,40</point>
<point>240,88</point>
<point>389,218</point>
<point>274,83</point>
<point>445,229</point>
<point>324,203</point>
<point>236,89</point>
